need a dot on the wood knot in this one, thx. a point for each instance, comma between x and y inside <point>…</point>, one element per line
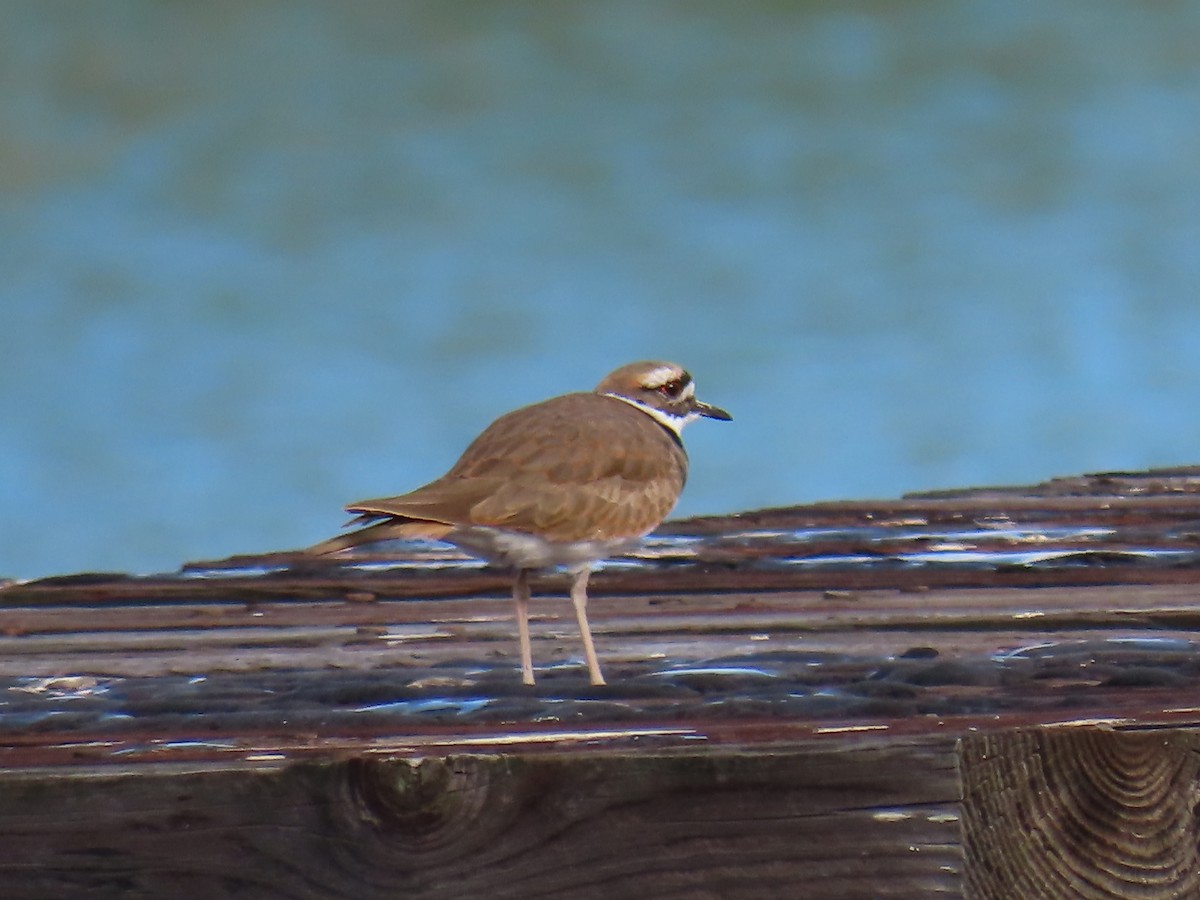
<point>423,806</point>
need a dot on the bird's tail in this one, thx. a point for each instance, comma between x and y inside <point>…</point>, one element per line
<point>386,530</point>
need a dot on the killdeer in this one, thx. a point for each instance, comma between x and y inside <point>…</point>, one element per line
<point>562,483</point>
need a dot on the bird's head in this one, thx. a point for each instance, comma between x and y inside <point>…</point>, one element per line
<point>664,390</point>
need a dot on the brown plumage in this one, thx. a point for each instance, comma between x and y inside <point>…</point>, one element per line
<point>564,482</point>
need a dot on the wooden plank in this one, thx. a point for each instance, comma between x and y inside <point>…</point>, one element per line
<point>844,822</point>
<point>896,698</point>
<point>868,658</point>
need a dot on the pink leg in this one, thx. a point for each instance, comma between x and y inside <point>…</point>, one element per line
<point>579,598</point>
<point>521,599</point>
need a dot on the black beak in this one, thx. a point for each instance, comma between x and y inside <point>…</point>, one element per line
<point>711,412</point>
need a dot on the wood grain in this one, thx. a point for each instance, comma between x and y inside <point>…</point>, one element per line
<point>1082,814</point>
<point>841,823</point>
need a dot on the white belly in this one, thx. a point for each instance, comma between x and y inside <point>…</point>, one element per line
<point>527,551</point>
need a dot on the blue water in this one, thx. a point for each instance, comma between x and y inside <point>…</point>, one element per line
<point>258,260</point>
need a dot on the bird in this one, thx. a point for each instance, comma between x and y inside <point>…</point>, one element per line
<point>564,483</point>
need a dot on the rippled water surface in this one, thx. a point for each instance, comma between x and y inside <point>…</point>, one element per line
<point>260,259</point>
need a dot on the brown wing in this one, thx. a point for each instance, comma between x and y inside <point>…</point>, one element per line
<point>577,467</point>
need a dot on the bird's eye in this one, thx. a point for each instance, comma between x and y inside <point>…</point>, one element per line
<point>671,388</point>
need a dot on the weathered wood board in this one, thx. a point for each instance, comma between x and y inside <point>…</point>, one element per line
<point>988,693</point>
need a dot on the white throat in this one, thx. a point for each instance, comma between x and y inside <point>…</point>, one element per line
<point>675,423</point>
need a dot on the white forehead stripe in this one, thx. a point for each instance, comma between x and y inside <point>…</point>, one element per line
<point>675,423</point>
<point>656,378</point>
<point>689,390</point>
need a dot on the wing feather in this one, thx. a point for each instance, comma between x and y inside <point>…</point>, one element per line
<point>577,467</point>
